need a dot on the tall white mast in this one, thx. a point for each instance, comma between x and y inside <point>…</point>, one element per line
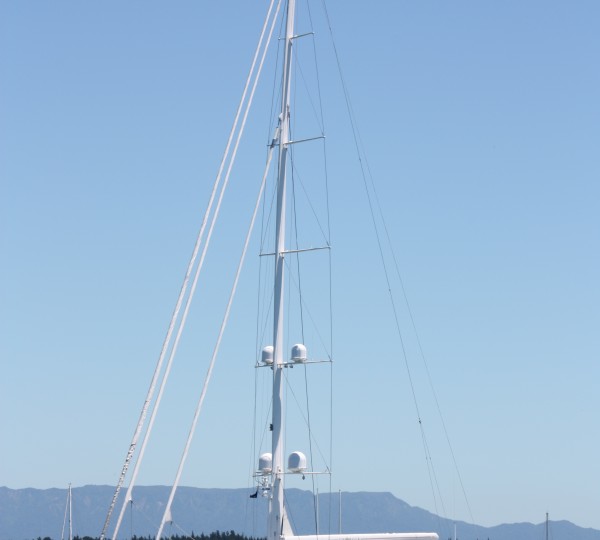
<point>278,526</point>
<point>276,508</point>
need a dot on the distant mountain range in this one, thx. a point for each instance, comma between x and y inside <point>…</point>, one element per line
<point>26,514</point>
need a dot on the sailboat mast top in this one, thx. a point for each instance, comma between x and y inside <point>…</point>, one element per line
<point>277,523</point>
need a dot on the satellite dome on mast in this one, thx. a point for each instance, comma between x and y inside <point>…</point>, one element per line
<point>265,463</point>
<point>297,462</point>
<point>299,353</point>
<point>267,355</point>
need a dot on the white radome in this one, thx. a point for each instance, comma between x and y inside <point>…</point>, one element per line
<point>297,462</point>
<point>267,355</point>
<point>299,353</point>
<point>265,463</point>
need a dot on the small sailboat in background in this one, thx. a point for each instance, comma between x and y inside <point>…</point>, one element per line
<point>68,519</point>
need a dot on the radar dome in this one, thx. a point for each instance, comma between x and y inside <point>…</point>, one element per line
<point>265,463</point>
<point>297,462</point>
<point>267,355</point>
<point>299,353</point>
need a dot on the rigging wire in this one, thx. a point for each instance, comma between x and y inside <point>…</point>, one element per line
<point>330,261</point>
<point>295,215</point>
<point>419,344</point>
<point>234,287</point>
<point>213,360</point>
<point>311,206</point>
<point>306,420</point>
<point>310,317</point>
<point>276,84</point>
<point>143,514</point>
<point>318,118</point>
<point>300,301</point>
<point>362,159</point>
<point>362,154</point>
<point>183,290</point>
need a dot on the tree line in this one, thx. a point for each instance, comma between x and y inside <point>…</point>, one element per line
<point>217,535</point>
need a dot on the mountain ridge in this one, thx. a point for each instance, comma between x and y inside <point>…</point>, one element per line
<point>30,513</point>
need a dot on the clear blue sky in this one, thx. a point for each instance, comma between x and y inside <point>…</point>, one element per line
<point>482,126</point>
